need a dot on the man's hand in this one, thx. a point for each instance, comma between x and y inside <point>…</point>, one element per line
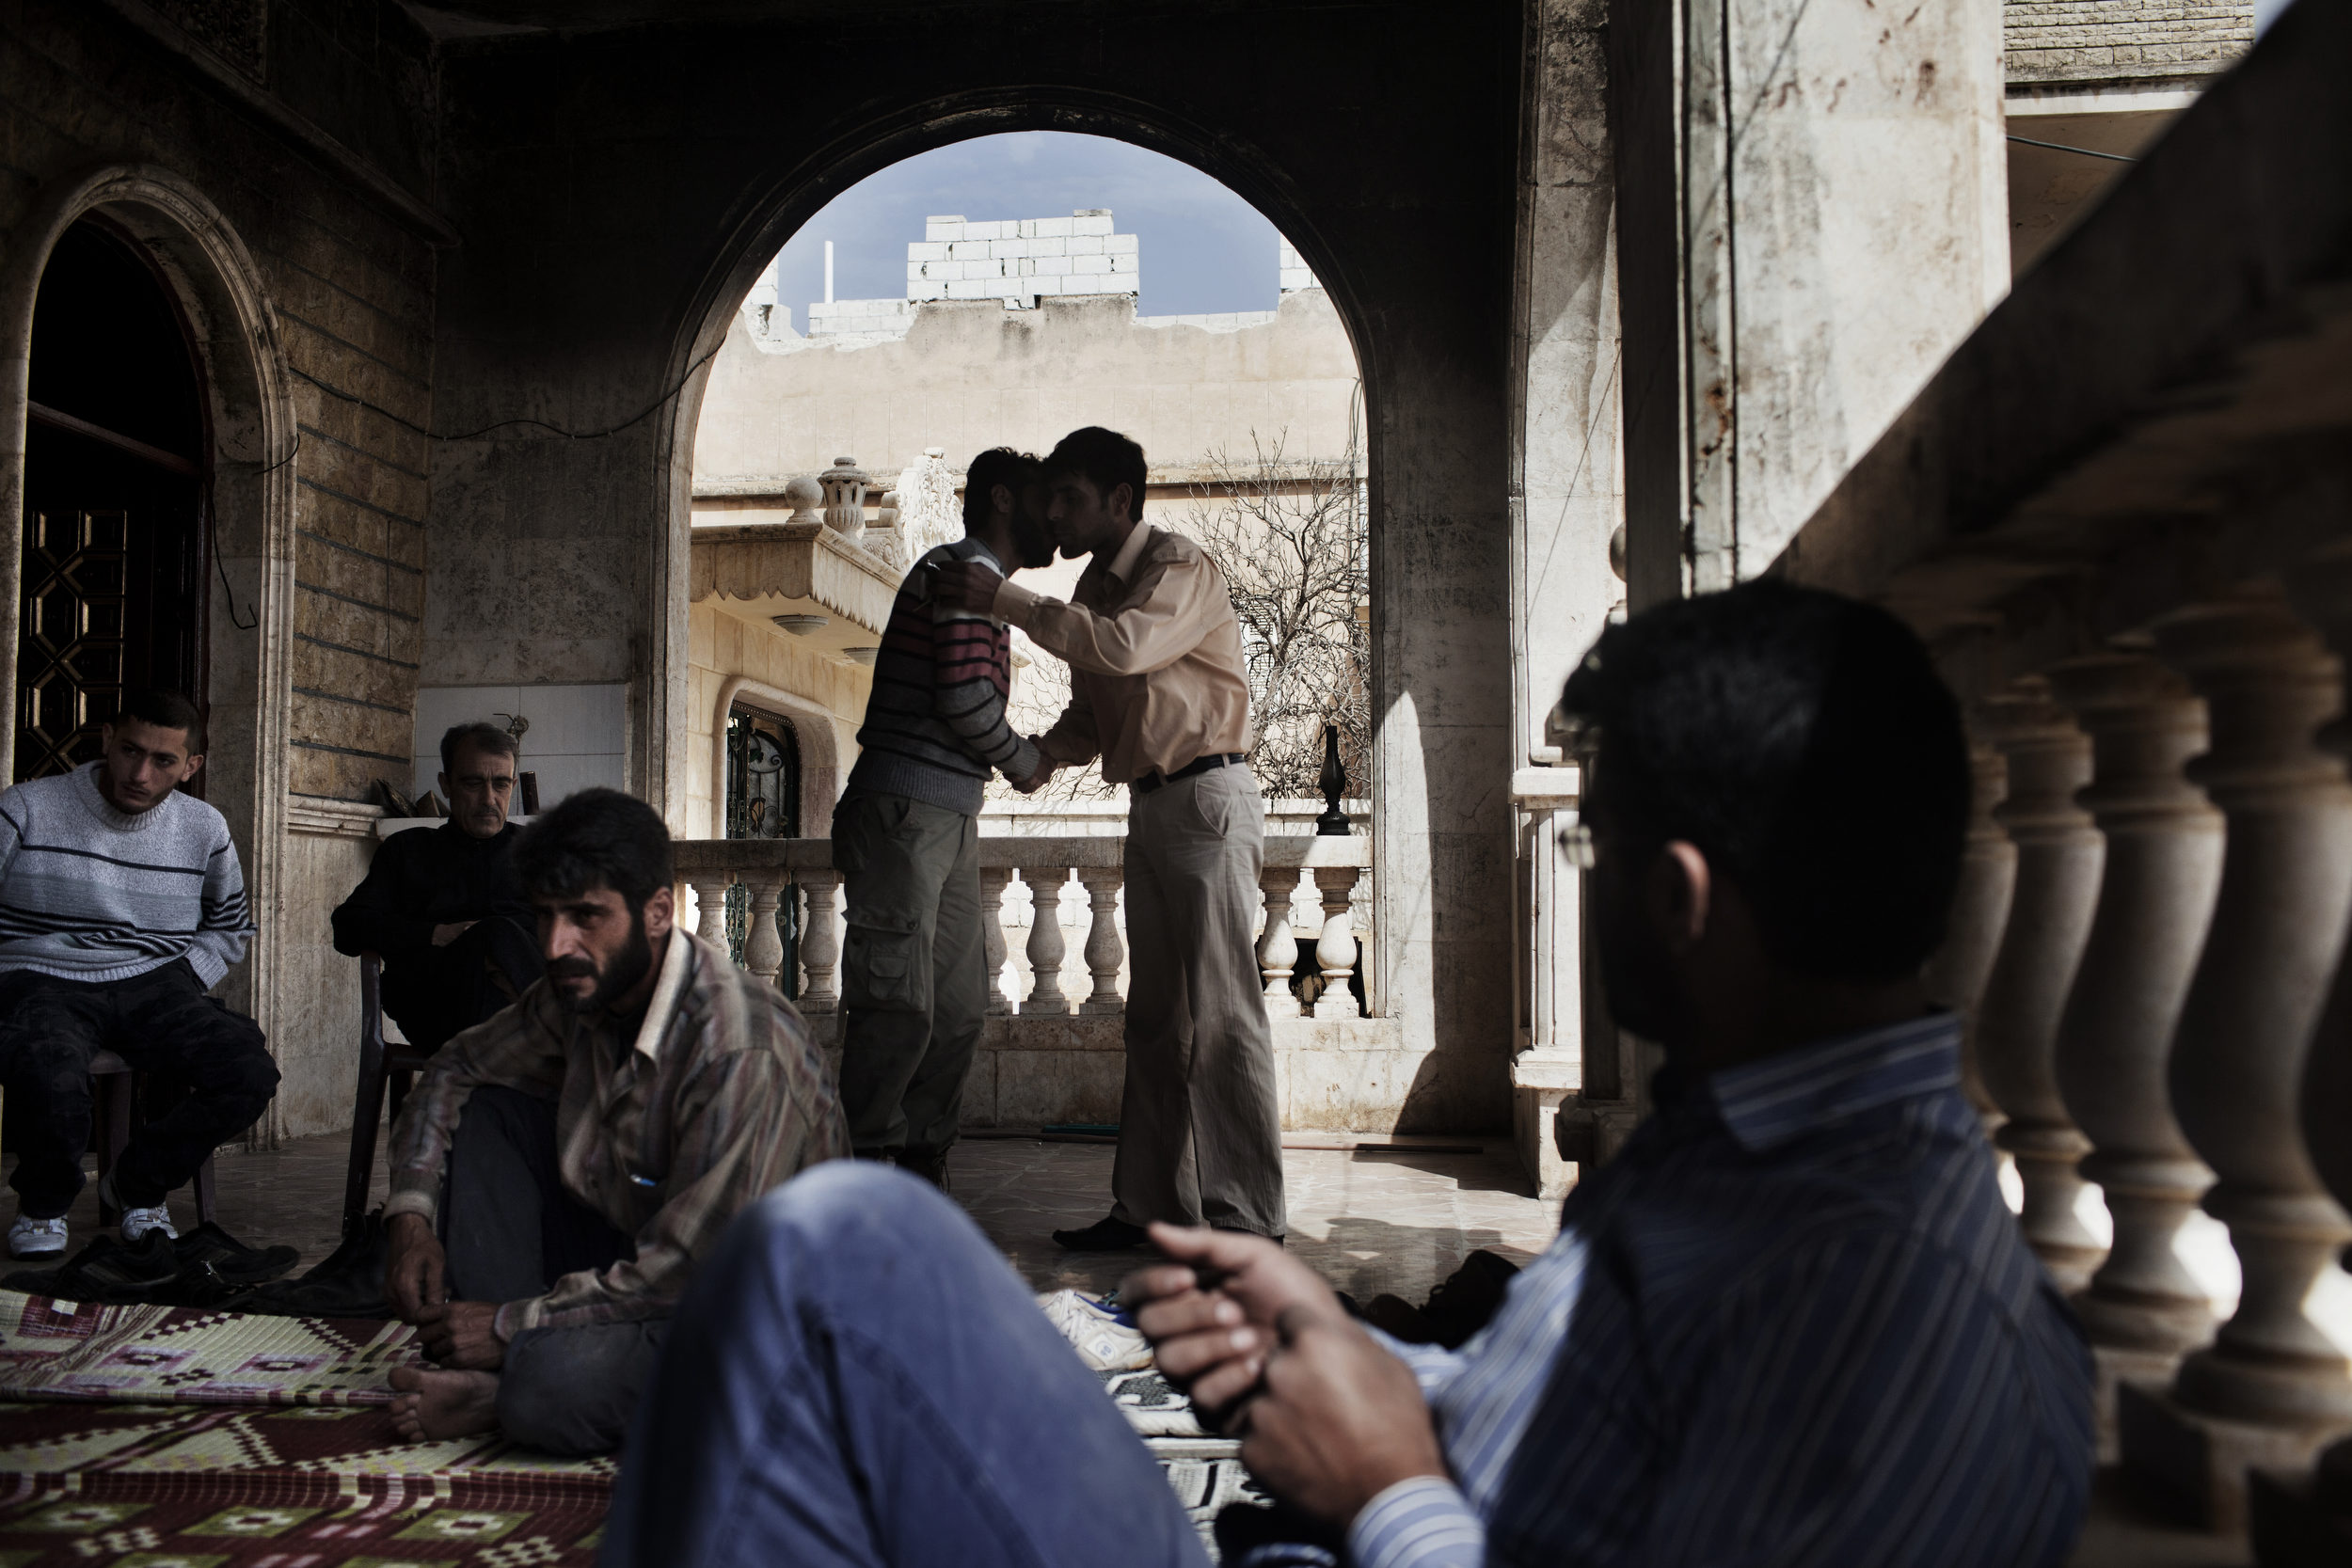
<point>1035,781</point>
<point>415,1271</point>
<point>1339,1420</point>
<point>449,931</point>
<point>463,1336</point>
<point>966,585</point>
<point>1211,1313</point>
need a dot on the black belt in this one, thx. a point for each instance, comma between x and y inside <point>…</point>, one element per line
<point>1153,779</point>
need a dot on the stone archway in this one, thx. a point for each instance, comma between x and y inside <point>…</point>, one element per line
<point>222,297</point>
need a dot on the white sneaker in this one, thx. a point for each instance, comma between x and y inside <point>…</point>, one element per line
<point>137,1223</point>
<point>1098,1334</point>
<point>32,1238</point>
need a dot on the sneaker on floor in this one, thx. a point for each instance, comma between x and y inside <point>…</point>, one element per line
<point>1103,1337</point>
<point>32,1238</point>
<point>1107,1234</point>
<point>137,1223</point>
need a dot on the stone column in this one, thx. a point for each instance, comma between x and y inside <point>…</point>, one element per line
<point>2058,859</point>
<point>992,881</point>
<point>763,942</point>
<point>1335,949</point>
<point>2297,1520</point>
<point>1046,946</point>
<point>710,906</point>
<point>820,943</point>
<point>1956,975</point>
<point>1104,949</point>
<point>2143,1309</point>
<point>1277,949</point>
<point>2271,1387</point>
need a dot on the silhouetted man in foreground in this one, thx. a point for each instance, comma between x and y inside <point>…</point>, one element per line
<point>1792,1322</point>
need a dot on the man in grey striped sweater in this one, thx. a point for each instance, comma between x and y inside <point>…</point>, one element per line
<point>906,835</point>
<point>121,903</point>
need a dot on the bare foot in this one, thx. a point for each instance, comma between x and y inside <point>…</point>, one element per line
<point>435,1403</point>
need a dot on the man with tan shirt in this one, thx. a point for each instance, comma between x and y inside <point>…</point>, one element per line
<point>1157,691</point>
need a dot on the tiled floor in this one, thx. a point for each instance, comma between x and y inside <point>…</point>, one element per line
<point>1369,1221</point>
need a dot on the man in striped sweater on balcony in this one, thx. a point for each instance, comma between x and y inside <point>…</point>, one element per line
<point>906,835</point>
<point>122,904</point>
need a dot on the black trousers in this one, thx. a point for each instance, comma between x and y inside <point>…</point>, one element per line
<point>438,991</point>
<point>512,1231</point>
<point>161,1023</point>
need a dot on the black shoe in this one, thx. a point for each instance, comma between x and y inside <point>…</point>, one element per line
<point>929,1163</point>
<point>1108,1234</point>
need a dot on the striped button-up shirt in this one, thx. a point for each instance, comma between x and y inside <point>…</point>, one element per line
<point>720,1096</point>
<point>1791,1322</point>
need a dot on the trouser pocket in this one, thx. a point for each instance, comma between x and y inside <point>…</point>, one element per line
<point>880,968</point>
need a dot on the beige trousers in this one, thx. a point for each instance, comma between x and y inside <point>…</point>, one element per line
<point>1199,1139</point>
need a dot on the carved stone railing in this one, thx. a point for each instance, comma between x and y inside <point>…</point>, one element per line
<point>802,868</point>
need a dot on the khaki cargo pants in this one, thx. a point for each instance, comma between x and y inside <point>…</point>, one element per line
<point>914,981</point>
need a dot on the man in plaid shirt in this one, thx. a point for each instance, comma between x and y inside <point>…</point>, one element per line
<point>597,1136</point>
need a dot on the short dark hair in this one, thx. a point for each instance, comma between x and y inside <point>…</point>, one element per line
<point>166,710</point>
<point>596,836</point>
<point>1805,745</point>
<point>994,466</point>
<point>1104,456</point>
<point>476,736</point>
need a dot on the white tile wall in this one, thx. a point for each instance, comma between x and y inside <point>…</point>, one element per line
<point>1023,259</point>
<point>579,735</point>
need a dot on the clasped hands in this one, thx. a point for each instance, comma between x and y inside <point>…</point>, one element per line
<point>1328,1419</point>
<point>454,1334</point>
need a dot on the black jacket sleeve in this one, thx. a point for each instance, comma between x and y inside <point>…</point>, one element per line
<point>379,917</point>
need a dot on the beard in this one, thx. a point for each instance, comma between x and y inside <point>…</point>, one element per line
<point>1636,977</point>
<point>1032,542</point>
<point>619,972</point>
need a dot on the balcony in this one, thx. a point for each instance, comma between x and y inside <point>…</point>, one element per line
<point>1052,1048</point>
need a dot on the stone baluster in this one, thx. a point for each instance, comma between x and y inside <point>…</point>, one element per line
<point>1046,946</point>
<point>1955,977</point>
<point>1104,949</point>
<point>821,941</point>
<point>2296,1524</point>
<point>763,940</point>
<point>2164,843</point>
<point>2059,856</point>
<point>992,881</point>
<point>1277,949</point>
<point>1335,950</point>
<point>2276,1384</point>
<point>710,906</point>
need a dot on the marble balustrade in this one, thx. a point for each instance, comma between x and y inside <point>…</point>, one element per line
<point>1051,1046</point>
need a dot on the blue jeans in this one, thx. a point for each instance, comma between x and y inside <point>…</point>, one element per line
<point>858,1378</point>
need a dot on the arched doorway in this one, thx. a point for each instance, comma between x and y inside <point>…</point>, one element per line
<point>763,800</point>
<point>116,460</point>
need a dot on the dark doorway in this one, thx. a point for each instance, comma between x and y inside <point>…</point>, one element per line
<point>764,801</point>
<point>114,491</point>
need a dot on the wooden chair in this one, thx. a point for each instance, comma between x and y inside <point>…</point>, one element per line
<point>383,1065</point>
<point>114,1085</point>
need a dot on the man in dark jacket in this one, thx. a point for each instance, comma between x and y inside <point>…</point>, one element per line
<point>440,906</point>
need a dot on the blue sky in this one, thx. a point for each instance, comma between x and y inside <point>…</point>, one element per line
<point>1203,248</point>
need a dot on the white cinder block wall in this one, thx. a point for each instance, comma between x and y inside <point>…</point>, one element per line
<point>578,739</point>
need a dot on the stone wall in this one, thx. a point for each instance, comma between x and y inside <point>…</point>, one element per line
<point>261,165</point>
<point>2114,41</point>
<point>968,376</point>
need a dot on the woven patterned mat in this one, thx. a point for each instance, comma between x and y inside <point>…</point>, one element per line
<point>63,1350</point>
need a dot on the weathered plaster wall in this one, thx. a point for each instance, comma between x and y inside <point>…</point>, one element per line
<point>1839,225</point>
<point>313,647</point>
<point>968,376</point>
<point>638,181</point>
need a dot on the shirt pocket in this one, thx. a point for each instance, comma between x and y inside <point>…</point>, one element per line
<point>879,964</point>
